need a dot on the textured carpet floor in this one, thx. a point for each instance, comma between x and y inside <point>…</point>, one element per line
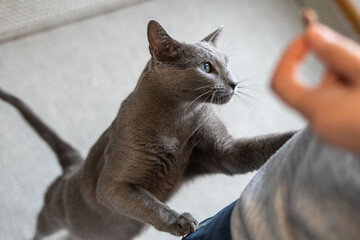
<point>76,76</point>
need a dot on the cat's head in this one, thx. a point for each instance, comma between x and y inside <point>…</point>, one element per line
<point>190,71</point>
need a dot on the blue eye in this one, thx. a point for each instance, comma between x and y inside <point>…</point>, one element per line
<point>205,67</point>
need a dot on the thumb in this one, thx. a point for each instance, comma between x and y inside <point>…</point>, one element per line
<point>334,50</point>
<point>286,81</point>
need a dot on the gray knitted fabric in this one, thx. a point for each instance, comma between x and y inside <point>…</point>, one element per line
<point>306,191</point>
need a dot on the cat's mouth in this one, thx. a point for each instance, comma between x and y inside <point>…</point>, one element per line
<point>222,98</point>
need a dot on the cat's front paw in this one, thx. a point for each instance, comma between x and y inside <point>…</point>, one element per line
<point>184,225</point>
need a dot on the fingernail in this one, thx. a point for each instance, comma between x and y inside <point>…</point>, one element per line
<point>309,16</point>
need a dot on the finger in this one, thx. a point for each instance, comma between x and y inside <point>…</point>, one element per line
<point>329,79</point>
<point>286,82</point>
<point>336,51</point>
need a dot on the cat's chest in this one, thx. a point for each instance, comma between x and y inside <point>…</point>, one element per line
<point>182,137</point>
<point>175,148</point>
<point>169,164</point>
<point>171,157</point>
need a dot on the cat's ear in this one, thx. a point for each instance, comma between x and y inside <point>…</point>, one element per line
<point>161,45</point>
<point>214,36</point>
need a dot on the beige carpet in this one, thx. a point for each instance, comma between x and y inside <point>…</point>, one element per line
<point>25,17</point>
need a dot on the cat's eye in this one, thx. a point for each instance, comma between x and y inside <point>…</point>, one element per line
<point>205,67</point>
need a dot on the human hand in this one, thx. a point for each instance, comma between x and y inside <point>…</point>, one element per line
<point>333,107</point>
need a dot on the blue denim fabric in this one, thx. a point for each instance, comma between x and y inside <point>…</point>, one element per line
<point>214,228</point>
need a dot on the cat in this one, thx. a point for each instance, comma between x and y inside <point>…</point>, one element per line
<point>164,134</point>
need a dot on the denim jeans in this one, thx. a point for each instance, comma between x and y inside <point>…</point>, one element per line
<point>214,228</point>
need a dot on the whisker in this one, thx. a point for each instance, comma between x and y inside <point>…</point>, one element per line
<point>259,101</point>
<point>252,85</point>
<point>248,95</point>
<point>249,88</point>
<point>206,99</point>
<point>247,104</point>
<point>263,90</point>
<point>195,100</point>
<point>212,97</point>
<point>201,87</point>
<point>255,76</point>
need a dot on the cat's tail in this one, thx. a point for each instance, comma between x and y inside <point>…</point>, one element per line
<point>68,156</point>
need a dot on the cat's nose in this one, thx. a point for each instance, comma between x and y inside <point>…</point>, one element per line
<point>233,85</point>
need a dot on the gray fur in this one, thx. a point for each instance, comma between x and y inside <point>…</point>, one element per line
<point>165,133</point>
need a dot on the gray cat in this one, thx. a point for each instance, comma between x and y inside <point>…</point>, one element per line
<point>165,133</point>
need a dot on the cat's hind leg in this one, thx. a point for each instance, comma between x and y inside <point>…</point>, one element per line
<point>46,225</point>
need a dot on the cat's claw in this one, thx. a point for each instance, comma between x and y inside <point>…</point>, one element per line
<point>184,225</point>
